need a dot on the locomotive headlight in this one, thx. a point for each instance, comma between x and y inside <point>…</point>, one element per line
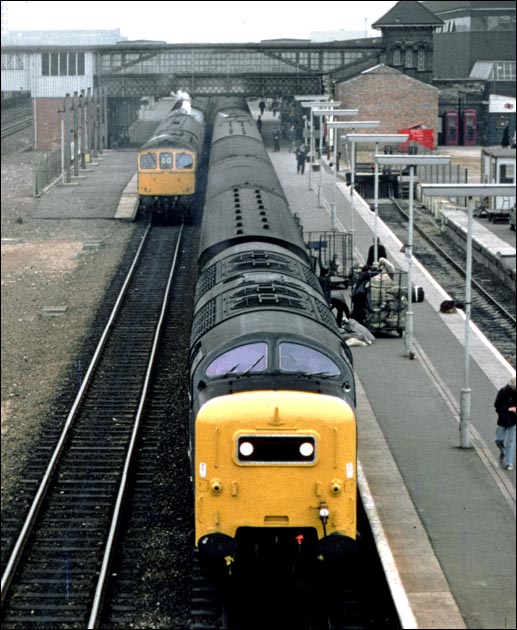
<point>306,449</point>
<point>246,449</point>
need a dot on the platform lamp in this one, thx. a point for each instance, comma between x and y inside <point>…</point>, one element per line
<point>469,191</point>
<point>411,161</point>
<point>355,124</point>
<point>377,138</point>
<point>315,104</point>
<point>328,112</point>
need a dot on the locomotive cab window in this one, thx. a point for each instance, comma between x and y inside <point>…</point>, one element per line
<point>184,160</point>
<point>148,160</point>
<point>251,357</point>
<point>294,357</point>
<point>165,160</point>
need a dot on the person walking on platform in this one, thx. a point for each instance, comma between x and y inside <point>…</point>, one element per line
<point>259,123</point>
<point>301,156</point>
<point>505,432</point>
<point>262,107</point>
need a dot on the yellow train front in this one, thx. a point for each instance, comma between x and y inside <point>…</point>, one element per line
<point>276,476</point>
<point>169,163</point>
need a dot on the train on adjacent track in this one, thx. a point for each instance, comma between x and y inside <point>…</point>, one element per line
<point>170,162</point>
<point>272,428</point>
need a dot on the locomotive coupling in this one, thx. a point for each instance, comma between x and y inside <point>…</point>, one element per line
<point>324,512</point>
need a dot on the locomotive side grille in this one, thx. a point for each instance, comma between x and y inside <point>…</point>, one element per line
<point>204,320</point>
<point>206,281</point>
<point>310,278</point>
<point>326,316</point>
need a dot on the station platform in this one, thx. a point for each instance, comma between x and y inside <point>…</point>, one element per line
<point>444,515</point>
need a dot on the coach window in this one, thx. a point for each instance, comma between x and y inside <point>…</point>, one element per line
<point>166,160</point>
<point>184,160</point>
<point>251,357</point>
<point>148,160</point>
<point>297,358</point>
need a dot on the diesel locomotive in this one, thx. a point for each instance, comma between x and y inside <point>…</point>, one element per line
<point>272,427</point>
<point>169,162</point>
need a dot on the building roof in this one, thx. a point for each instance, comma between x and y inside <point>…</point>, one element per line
<point>382,69</point>
<point>89,37</point>
<point>408,14</point>
<point>458,7</point>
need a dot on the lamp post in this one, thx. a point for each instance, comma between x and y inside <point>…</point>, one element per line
<point>411,161</point>
<point>355,124</point>
<point>313,105</point>
<point>469,191</point>
<point>331,125</point>
<point>376,138</point>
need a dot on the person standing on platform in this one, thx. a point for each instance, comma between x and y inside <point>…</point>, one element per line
<point>381,253</point>
<point>259,123</point>
<point>505,432</point>
<point>262,107</point>
<point>505,141</point>
<point>276,140</point>
<point>301,156</point>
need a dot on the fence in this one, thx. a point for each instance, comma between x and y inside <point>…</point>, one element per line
<point>47,171</point>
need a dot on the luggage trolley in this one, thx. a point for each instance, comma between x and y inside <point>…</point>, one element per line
<point>332,250</point>
<point>387,303</point>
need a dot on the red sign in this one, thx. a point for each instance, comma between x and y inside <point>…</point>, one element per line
<point>422,136</point>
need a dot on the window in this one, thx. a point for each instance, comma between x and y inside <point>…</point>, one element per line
<point>421,59</point>
<point>148,160</point>
<point>61,64</point>
<point>297,358</point>
<point>506,174</point>
<point>166,160</point>
<point>397,57</point>
<point>184,160</point>
<point>12,61</point>
<point>251,357</point>
<point>409,57</point>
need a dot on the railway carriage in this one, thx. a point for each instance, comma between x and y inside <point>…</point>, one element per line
<point>273,432</point>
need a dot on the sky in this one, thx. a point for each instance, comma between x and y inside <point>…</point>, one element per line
<point>200,22</point>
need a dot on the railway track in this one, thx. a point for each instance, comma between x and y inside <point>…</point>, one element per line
<point>16,119</point>
<point>493,304</point>
<point>56,571</point>
<point>343,597</point>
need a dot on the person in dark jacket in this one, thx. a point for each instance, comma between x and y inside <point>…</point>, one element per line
<point>505,141</point>
<point>381,253</point>
<point>360,293</point>
<point>505,432</point>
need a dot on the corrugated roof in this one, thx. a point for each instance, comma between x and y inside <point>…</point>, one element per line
<point>408,14</point>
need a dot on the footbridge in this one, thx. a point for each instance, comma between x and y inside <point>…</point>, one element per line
<point>268,68</point>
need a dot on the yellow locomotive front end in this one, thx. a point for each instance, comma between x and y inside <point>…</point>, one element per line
<point>166,173</point>
<point>283,461</point>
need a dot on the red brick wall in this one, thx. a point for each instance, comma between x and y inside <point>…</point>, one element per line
<point>47,116</point>
<point>392,98</point>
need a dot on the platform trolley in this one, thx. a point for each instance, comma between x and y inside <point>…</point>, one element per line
<point>387,303</point>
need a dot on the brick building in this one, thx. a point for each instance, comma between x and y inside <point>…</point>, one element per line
<point>395,99</point>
